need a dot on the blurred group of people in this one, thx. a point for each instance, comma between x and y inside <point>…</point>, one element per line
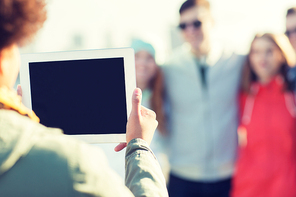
<point>227,122</point>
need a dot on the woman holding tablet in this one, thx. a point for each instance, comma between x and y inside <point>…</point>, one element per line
<point>40,161</point>
<point>266,163</point>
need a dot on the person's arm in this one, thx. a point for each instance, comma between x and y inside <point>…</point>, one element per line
<point>143,173</point>
<point>91,174</point>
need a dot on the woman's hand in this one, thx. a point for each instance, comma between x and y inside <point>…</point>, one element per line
<point>141,123</point>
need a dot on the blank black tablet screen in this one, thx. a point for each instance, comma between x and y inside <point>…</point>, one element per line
<point>80,96</point>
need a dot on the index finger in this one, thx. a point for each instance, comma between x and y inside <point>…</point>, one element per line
<point>120,146</point>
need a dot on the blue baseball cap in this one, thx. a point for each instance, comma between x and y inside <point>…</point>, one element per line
<point>139,45</point>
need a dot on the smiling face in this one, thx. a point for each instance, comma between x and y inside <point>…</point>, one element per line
<point>291,29</point>
<point>196,36</point>
<point>145,68</point>
<point>265,59</point>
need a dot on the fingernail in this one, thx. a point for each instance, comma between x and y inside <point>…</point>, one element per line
<point>138,92</point>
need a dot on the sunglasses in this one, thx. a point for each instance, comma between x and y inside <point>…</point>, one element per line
<point>289,32</point>
<point>196,24</point>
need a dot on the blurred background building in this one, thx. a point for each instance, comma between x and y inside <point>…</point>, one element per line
<point>93,24</point>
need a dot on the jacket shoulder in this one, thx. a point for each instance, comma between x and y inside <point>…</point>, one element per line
<point>70,166</point>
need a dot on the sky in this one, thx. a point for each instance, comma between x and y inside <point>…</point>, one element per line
<point>95,24</point>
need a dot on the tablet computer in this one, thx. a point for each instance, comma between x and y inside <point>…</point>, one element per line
<point>87,94</point>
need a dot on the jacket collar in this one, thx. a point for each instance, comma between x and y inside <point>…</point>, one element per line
<point>277,82</point>
<point>213,56</point>
<point>9,100</point>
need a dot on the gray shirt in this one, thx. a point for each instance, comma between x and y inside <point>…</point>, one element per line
<point>202,121</point>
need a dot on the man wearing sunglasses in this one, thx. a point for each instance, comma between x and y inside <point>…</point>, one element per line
<point>291,26</point>
<point>202,85</point>
<point>291,34</point>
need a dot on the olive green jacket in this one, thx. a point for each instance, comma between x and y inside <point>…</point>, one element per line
<point>40,161</point>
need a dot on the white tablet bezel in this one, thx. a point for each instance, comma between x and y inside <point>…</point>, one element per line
<point>130,80</point>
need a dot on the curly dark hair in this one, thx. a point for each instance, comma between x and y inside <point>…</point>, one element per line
<point>20,20</point>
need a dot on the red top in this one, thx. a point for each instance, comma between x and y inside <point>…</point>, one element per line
<point>266,164</point>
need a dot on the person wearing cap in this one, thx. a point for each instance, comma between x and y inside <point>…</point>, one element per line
<point>40,161</point>
<point>291,34</point>
<point>149,78</point>
<point>291,26</point>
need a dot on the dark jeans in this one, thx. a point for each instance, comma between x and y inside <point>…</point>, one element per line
<point>183,188</point>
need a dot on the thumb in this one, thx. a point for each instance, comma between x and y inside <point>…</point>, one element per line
<point>136,101</point>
